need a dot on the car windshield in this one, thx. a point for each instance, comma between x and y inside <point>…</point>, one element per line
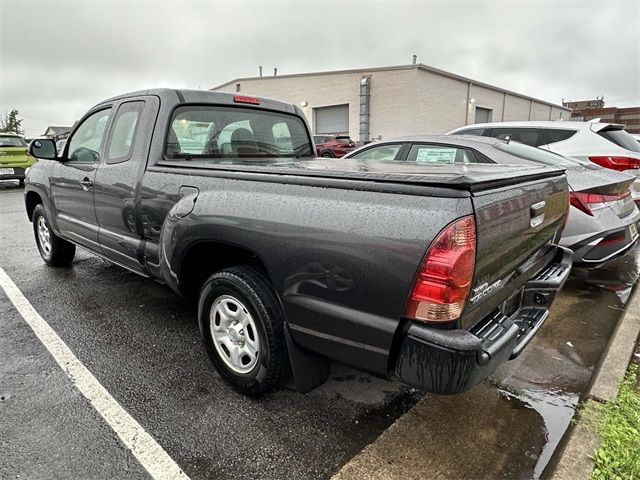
<point>346,140</point>
<point>10,141</point>
<point>621,138</point>
<point>199,131</point>
<point>534,154</point>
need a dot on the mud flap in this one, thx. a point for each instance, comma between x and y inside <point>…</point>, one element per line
<point>309,370</point>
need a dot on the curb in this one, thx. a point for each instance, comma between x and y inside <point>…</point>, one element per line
<point>574,460</point>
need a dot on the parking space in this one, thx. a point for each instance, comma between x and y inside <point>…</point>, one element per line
<point>141,342</point>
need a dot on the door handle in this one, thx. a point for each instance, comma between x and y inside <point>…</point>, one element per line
<point>86,184</point>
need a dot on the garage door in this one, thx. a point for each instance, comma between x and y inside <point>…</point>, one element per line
<point>333,119</point>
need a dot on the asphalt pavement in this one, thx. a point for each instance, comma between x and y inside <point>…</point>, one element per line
<point>141,342</point>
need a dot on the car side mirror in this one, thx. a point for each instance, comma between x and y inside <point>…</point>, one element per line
<point>43,148</point>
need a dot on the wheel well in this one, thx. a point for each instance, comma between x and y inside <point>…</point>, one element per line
<point>32,200</point>
<point>205,258</point>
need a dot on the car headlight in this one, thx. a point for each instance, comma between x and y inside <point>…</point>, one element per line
<point>26,171</point>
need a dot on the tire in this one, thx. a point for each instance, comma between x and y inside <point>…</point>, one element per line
<point>254,296</point>
<point>327,154</point>
<point>54,250</point>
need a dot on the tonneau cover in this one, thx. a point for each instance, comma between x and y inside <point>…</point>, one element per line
<point>471,177</point>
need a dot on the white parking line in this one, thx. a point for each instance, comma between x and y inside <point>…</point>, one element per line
<point>150,455</point>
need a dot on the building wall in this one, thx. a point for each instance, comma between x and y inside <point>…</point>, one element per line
<point>539,111</point>
<point>486,98</point>
<point>403,101</point>
<point>394,104</point>
<point>441,103</point>
<point>317,91</point>
<point>516,109</point>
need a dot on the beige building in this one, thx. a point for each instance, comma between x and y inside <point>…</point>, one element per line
<point>395,101</point>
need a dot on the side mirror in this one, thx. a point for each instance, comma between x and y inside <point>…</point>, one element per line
<point>43,148</point>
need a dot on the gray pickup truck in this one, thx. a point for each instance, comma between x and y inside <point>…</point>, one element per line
<point>435,274</point>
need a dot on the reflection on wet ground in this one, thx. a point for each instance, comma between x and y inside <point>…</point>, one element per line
<point>553,373</point>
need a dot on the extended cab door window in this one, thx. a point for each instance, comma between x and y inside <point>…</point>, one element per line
<point>86,142</point>
<point>123,133</point>
<point>380,152</point>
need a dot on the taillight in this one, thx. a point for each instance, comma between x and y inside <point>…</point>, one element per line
<point>617,163</point>
<point>583,201</point>
<point>443,282</point>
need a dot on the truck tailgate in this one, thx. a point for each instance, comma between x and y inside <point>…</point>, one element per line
<point>515,226</point>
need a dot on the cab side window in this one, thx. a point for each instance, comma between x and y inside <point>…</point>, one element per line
<point>123,133</point>
<point>85,145</point>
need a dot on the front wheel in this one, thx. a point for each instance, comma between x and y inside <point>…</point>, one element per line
<point>54,250</point>
<point>242,327</point>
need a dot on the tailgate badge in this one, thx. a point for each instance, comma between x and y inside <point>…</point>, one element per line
<point>537,213</point>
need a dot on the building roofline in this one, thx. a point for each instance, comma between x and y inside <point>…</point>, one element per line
<point>418,66</point>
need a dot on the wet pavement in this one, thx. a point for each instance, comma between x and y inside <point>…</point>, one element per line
<point>141,342</point>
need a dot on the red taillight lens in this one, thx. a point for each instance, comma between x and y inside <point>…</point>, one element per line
<point>246,99</point>
<point>617,163</point>
<point>583,201</point>
<point>443,282</point>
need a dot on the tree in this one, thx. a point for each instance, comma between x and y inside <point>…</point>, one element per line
<point>10,123</point>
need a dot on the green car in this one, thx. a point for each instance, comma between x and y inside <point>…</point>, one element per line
<point>14,159</point>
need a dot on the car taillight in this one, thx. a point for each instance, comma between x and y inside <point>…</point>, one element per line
<point>443,282</point>
<point>584,201</point>
<point>617,163</point>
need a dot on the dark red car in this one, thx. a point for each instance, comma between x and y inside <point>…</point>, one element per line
<point>333,145</point>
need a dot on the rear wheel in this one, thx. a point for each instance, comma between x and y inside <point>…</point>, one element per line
<point>54,250</point>
<point>242,329</point>
<point>327,154</point>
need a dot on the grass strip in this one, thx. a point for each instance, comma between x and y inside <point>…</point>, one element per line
<point>619,428</point>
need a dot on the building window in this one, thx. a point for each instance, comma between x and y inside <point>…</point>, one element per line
<point>483,115</point>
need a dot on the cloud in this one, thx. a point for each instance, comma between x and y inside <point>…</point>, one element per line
<point>58,59</point>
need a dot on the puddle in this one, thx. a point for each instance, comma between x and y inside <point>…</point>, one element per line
<point>556,409</point>
<point>552,374</point>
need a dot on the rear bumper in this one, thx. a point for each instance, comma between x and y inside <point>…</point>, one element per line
<point>17,174</point>
<point>452,361</point>
<point>605,246</point>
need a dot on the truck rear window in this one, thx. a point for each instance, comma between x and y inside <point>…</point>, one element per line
<point>201,131</point>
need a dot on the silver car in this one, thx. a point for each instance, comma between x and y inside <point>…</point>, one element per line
<point>603,220</point>
<point>605,144</point>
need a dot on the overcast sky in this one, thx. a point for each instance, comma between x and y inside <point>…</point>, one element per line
<point>59,58</point>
